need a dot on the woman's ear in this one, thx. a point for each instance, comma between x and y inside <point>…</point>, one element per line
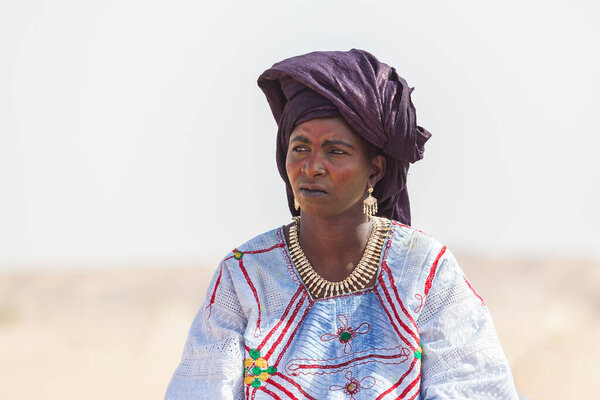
<point>378,165</point>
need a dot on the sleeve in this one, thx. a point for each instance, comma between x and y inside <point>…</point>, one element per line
<point>462,357</point>
<point>212,362</point>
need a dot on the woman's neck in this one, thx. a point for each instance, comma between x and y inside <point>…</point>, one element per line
<point>334,245</point>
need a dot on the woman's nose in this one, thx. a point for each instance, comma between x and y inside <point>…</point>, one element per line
<point>313,166</point>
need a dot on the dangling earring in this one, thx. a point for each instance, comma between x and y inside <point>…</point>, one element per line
<point>370,204</point>
<point>296,205</point>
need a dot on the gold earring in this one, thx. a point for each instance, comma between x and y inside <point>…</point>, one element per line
<point>370,204</point>
<point>296,205</point>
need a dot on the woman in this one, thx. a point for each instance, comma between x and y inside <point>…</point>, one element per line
<point>348,301</point>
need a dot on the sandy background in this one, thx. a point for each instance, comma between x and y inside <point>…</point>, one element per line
<point>119,334</point>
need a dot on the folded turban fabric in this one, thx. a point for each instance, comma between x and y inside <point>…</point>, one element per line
<point>372,99</point>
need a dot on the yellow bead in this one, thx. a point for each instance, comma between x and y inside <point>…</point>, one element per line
<point>248,362</point>
<point>248,380</point>
<point>261,362</point>
<point>263,376</point>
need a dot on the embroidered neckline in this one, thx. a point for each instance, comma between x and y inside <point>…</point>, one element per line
<point>361,275</point>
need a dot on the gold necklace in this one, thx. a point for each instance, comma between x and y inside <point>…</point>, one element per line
<point>360,276</point>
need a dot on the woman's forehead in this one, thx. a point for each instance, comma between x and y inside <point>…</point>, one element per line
<point>325,128</point>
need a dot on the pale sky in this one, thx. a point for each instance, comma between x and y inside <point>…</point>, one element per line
<point>133,133</point>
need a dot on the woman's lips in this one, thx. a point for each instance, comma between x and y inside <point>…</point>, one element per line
<point>313,193</point>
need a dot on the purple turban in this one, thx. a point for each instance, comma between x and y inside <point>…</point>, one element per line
<point>372,99</point>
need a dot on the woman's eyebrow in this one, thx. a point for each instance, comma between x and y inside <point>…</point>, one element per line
<point>328,142</point>
<point>301,138</point>
<point>338,142</point>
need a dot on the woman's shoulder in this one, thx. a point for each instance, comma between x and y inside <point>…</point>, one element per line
<point>262,262</point>
<point>413,251</point>
<point>262,243</point>
<point>412,237</point>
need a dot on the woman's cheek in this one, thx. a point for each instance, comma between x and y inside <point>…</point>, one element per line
<point>346,175</point>
<point>292,168</point>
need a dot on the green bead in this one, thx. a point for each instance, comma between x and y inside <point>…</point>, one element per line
<point>254,354</point>
<point>271,370</point>
<point>256,383</point>
<point>418,355</point>
<point>345,336</point>
<point>238,254</point>
<point>256,371</point>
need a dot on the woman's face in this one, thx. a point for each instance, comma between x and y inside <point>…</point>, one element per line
<point>329,167</point>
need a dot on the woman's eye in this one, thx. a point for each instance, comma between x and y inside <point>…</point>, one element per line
<point>338,151</point>
<point>299,149</point>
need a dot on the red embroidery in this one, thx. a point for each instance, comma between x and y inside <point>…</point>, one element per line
<point>393,285</point>
<point>345,333</point>
<point>238,255</point>
<point>275,246</point>
<point>392,322</point>
<point>419,297</point>
<point>432,272</point>
<point>212,298</point>
<point>296,385</point>
<point>293,333</point>
<point>287,310</point>
<point>321,367</point>
<point>473,290</point>
<point>353,385</point>
<point>283,389</point>
<point>395,385</point>
<point>402,324</point>
<point>287,326</point>
<point>414,396</point>
<point>257,329</point>
<point>409,387</point>
<point>410,227</point>
<point>267,391</point>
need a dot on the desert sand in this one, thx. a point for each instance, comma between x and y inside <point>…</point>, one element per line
<point>119,333</point>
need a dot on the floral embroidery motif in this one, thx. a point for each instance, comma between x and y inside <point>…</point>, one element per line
<point>346,333</point>
<point>256,369</point>
<point>353,385</point>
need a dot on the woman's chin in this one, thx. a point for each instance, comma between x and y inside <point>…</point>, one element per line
<point>324,211</point>
<point>316,211</point>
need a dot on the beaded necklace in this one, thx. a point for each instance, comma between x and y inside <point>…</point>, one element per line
<point>360,276</point>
